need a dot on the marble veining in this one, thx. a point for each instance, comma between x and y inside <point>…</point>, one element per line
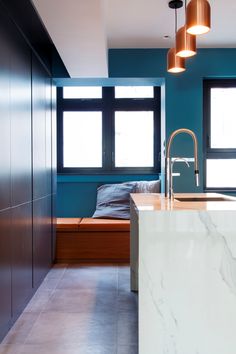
<point>227,268</point>
<point>187,281</point>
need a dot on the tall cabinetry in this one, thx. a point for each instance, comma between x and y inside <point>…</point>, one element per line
<point>5,180</point>
<point>21,170</point>
<point>26,173</point>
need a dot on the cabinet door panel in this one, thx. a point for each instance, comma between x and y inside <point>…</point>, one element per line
<point>54,223</point>
<point>48,137</point>
<point>4,114</point>
<point>39,129</point>
<point>42,240</point>
<point>54,141</point>
<point>20,94</point>
<point>21,257</point>
<point>5,272</point>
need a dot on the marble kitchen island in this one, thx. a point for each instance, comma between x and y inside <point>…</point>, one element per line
<point>186,255</point>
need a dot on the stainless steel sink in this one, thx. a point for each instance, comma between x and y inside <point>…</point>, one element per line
<point>203,199</point>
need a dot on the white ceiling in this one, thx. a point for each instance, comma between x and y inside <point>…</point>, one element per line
<point>83,30</point>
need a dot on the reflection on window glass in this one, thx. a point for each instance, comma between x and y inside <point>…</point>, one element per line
<point>221,173</point>
<point>134,140</point>
<point>82,92</point>
<point>134,92</point>
<point>82,138</point>
<point>223,117</point>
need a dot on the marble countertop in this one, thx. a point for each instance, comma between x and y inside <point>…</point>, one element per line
<point>156,201</point>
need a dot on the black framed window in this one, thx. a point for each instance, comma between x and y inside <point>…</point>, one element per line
<point>220,134</point>
<point>108,129</point>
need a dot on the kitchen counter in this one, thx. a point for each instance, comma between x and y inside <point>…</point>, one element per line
<point>152,201</point>
<point>186,255</point>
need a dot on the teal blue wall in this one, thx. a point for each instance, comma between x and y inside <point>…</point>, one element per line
<point>184,94</point>
<point>184,108</point>
<point>76,195</point>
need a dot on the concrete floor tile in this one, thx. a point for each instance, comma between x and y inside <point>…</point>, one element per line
<point>124,269</point>
<point>78,309</point>
<point>124,282</point>
<point>127,349</point>
<point>57,271</point>
<point>39,300</point>
<point>127,301</point>
<point>86,269</point>
<point>11,349</point>
<point>82,328</point>
<point>50,283</point>
<point>20,330</point>
<point>72,348</point>
<point>66,300</point>
<point>127,332</point>
<point>89,280</point>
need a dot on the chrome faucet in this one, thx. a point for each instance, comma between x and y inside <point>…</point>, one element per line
<point>168,166</point>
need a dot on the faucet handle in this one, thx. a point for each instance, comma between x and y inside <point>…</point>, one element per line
<point>197,178</point>
<point>179,159</point>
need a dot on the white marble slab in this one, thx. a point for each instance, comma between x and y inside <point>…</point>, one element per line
<point>187,282</point>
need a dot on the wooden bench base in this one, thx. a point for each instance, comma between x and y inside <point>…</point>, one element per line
<point>92,240</point>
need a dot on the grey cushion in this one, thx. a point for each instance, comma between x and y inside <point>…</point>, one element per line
<point>148,186</point>
<point>113,200</point>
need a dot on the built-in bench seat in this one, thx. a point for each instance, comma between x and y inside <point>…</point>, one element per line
<point>89,239</point>
<point>68,224</point>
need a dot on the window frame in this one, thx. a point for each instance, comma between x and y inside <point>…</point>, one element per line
<point>109,105</point>
<point>208,152</point>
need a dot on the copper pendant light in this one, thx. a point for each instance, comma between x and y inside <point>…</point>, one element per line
<point>174,64</point>
<point>198,17</point>
<point>185,43</point>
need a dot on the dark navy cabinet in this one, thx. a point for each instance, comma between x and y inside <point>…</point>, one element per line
<point>5,123</point>
<point>28,163</point>
<point>20,113</point>
<point>5,271</point>
<point>22,271</point>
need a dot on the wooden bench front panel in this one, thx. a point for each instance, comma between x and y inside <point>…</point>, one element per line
<point>109,246</point>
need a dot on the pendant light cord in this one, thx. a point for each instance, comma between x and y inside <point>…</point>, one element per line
<point>175,20</point>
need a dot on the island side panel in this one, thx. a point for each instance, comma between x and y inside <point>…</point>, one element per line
<point>187,282</point>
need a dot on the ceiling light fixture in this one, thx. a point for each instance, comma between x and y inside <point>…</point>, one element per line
<point>185,43</point>
<point>175,64</point>
<point>198,17</point>
<point>198,20</point>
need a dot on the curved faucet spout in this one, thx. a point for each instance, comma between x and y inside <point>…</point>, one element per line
<point>168,162</point>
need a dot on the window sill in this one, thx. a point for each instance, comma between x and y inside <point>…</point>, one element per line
<point>65,178</point>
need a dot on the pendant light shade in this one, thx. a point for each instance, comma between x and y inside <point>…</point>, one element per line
<point>185,43</point>
<point>198,17</point>
<point>175,64</point>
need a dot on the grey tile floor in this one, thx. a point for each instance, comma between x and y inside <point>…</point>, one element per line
<point>78,309</point>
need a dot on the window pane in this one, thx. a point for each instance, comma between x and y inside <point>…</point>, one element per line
<point>134,139</point>
<point>134,92</point>
<point>221,173</point>
<point>223,117</point>
<point>82,138</point>
<point>82,92</point>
